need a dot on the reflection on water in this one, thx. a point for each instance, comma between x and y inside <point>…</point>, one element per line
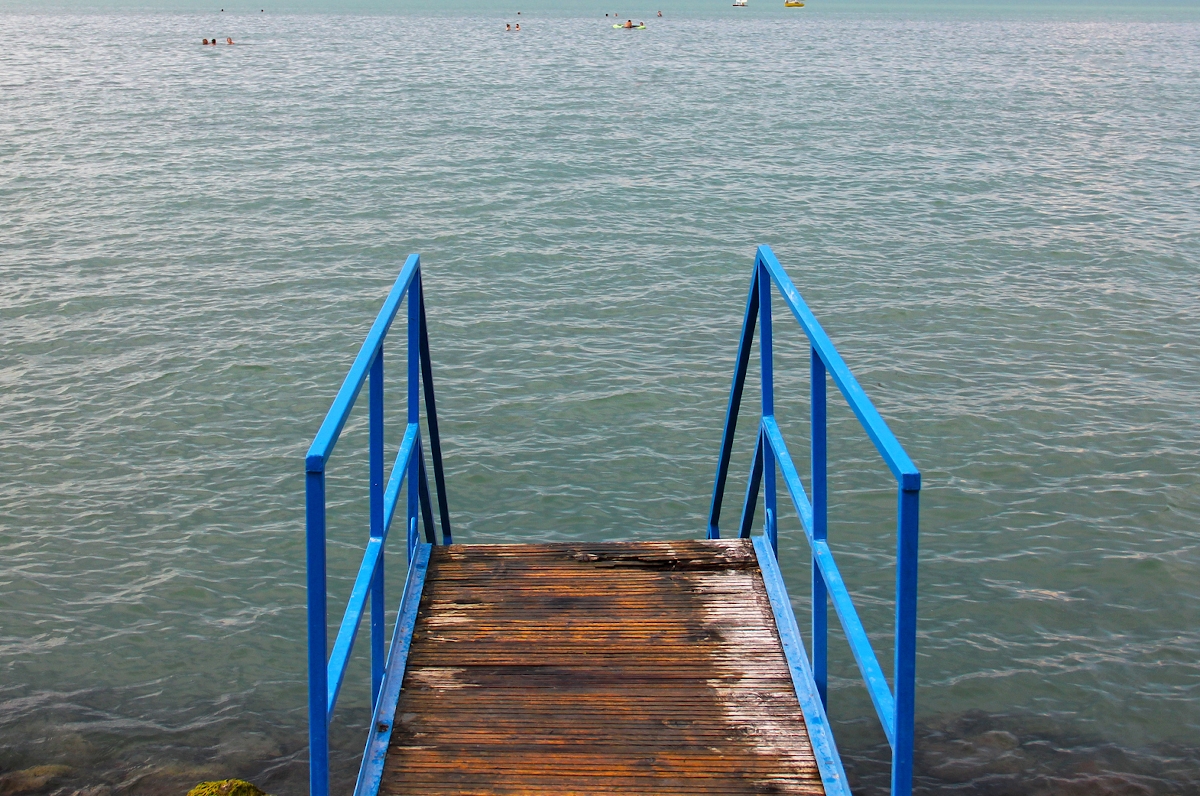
<point>995,220</point>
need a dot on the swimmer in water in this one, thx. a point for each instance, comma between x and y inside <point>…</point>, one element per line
<point>228,40</point>
<point>518,26</point>
<point>628,24</point>
<point>507,26</point>
<point>205,42</point>
<point>660,13</point>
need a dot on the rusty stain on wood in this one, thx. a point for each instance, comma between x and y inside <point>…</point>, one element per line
<point>620,667</point>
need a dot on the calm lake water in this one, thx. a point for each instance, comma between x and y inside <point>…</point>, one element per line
<point>993,211</point>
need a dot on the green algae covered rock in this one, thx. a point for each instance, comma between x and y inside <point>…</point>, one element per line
<point>226,787</point>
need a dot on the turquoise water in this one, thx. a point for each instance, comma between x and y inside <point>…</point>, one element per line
<point>992,210</point>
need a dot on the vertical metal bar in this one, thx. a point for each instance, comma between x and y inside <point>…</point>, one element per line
<point>414,402</point>
<point>770,526</point>
<point>423,494</point>
<point>376,491</point>
<point>820,506</point>
<point>751,501</point>
<point>376,443</point>
<point>435,439</point>
<point>765,345</point>
<point>906,641</point>
<point>735,402</point>
<point>318,717</point>
<point>766,350</point>
<point>378,628</point>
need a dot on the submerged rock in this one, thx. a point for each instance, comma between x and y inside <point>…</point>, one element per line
<point>30,779</point>
<point>226,787</point>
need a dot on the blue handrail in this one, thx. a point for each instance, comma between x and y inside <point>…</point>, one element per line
<point>325,675</point>
<point>895,709</point>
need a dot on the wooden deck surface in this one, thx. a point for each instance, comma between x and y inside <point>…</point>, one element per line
<point>627,667</point>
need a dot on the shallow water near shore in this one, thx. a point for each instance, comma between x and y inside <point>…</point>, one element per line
<point>994,217</point>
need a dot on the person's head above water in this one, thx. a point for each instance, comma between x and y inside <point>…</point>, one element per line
<point>204,42</point>
<point>228,40</point>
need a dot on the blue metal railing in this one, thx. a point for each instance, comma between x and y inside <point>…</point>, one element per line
<point>895,709</point>
<point>325,675</point>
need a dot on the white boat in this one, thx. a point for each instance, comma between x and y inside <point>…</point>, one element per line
<point>739,3</point>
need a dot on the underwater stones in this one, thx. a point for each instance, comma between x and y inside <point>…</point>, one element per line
<point>28,780</point>
<point>237,750</point>
<point>94,790</point>
<point>226,787</point>
<point>1005,754</point>
<point>169,779</point>
<point>962,759</point>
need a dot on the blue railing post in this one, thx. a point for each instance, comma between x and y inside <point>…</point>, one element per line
<point>375,400</point>
<point>318,714</point>
<point>435,439</point>
<point>746,524</point>
<point>745,342</point>
<point>820,508</point>
<point>767,356</point>
<point>906,640</point>
<point>414,404</point>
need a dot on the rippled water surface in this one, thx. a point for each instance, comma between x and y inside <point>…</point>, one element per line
<point>995,217</point>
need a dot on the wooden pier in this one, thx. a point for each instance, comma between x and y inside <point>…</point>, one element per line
<point>624,667</point>
<point>600,668</point>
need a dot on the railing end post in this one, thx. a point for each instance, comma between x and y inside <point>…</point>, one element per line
<point>906,639</point>
<point>318,711</point>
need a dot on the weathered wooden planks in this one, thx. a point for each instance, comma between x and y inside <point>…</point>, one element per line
<point>638,667</point>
